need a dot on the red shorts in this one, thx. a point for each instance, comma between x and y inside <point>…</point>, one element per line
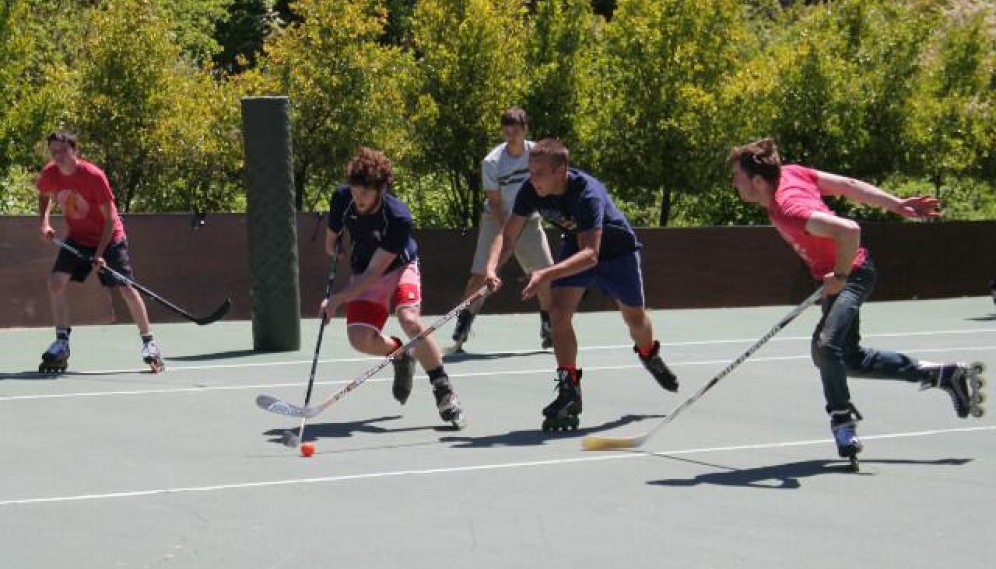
<point>396,289</point>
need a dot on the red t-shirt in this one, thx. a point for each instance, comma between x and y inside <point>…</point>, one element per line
<point>795,200</point>
<point>80,196</point>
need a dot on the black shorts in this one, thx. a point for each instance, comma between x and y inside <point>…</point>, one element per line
<point>116,256</point>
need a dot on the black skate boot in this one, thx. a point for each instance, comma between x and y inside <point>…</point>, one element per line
<point>962,382</point>
<point>562,413</point>
<point>447,402</point>
<point>546,331</point>
<point>404,372</point>
<point>152,356</point>
<point>462,331</point>
<point>657,368</point>
<point>56,357</point>
<point>844,426</point>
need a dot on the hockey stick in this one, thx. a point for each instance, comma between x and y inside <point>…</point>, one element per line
<point>274,405</point>
<point>594,442</point>
<point>218,314</point>
<point>290,440</point>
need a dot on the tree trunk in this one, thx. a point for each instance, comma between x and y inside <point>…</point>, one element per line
<point>300,175</point>
<point>666,204</point>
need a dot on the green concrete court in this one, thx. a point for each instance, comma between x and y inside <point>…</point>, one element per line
<point>110,466</point>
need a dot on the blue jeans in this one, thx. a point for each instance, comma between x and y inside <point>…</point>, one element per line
<point>836,346</point>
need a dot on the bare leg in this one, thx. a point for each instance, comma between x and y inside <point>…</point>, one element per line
<point>637,319</point>
<point>564,302</point>
<point>543,294</point>
<point>369,341</point>
<point>641,329</point>
<point>136,307</point>
<point>426,351</point>
<point>57,285</point>
<point>428,354</point>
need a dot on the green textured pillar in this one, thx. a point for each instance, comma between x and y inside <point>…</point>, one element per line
<point>274,295</point>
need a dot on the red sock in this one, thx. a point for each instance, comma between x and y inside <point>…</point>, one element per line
<point>645,351</point>
<point>573,369</point>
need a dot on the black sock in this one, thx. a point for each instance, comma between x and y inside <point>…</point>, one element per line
<point>437,373</point>
<point>146,338</point>
<point>544,316</point>
<point>62,333</point>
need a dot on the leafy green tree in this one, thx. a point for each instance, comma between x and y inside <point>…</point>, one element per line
<point>198,167</point>
<point>952,127</point>
<point>193,25</point>
<point>343,86</point>
<point>651,112</point>
<point>832,84</point>
<point>160,126</point>
<point>469,69</point>
<point>560,48</point>
<point>35,40</point>
<point>399,21</point>
<point>242,34</point>
<point>119,82</point>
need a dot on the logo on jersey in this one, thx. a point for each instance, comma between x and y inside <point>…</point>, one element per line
<point>556,217</point>
<point>72,204</point>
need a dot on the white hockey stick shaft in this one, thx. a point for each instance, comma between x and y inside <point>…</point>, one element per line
<point>309,412</point>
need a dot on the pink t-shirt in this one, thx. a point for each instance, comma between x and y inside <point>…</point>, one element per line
<point>795,200</point>
<point>79,197</point>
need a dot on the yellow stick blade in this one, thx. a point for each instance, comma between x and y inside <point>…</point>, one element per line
<point>592,442</point>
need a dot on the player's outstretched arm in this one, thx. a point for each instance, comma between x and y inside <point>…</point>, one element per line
<point>863,192</point>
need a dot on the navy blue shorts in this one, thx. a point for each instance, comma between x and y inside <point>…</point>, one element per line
<point>619,277</point>
<point>116,256</point>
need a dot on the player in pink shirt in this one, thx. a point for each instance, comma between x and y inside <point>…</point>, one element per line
<point>831,247</point>
<point>94,228</point>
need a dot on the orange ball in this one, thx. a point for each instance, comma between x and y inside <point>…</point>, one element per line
<point>307,449</point>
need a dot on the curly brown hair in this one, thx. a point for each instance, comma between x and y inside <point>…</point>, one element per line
<point>370,168</point>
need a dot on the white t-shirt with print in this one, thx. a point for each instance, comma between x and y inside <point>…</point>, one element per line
<point>502,171</point>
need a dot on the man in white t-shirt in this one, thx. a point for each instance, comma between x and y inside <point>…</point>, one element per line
<point>503,171</point>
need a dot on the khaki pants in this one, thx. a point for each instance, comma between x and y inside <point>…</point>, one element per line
<point>531,250</point>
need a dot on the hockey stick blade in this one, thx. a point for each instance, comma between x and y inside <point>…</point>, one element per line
<point>215,316</point>
<point>594,442</point>
<point>612,443</point>
<point>274,405</point>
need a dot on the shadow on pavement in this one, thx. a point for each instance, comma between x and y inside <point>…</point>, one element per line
<point>315,431</point>
<point>989,318</point>
<point>213,356</point>
<point>537,436</point>
<point>463,356</point>
<point>785,476</point>
<point>37,375</point>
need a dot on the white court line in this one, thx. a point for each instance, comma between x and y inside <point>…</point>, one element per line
<point>463,469</point>
<point>498,373</point>
<point>745,341</point>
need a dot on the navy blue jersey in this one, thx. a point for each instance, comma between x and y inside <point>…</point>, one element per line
<point>583,206</point>
<point>389,228</point>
